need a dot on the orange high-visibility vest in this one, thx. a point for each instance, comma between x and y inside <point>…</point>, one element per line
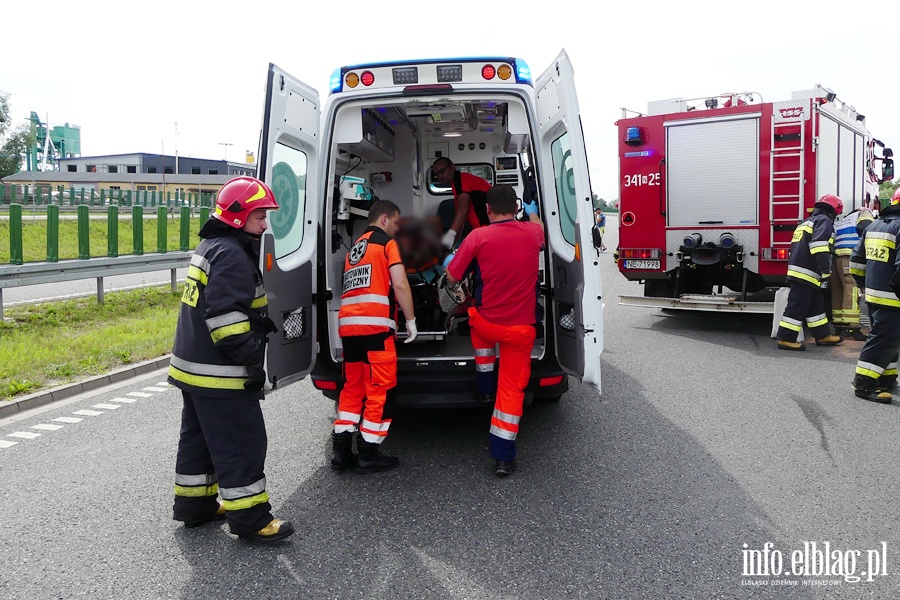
<point>367,299</point>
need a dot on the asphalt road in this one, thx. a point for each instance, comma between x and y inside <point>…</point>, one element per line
<point>706,438</point>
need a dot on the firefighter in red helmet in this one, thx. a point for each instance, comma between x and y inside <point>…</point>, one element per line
<point>875,264</point>
<point>809,269</point>
<point>217,362</point>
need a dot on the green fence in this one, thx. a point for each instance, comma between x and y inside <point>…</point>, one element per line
<point>83,219</point>
<point>45,195</point>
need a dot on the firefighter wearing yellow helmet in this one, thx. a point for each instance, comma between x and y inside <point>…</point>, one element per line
<point>217,362</point>
<point>875,264</point>
<point>808,272</point>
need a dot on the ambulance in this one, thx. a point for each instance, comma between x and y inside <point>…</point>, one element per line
<point>376,137</point>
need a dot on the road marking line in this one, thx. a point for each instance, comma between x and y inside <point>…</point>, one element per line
<point>127,400</point>
<point>106,406</point>
<point>164,384</point>
<point>7,443</point>
<point>47,427</point>
<point>154,389</point>
<point>68,420</point>
<point>138,394</point>
<point>28,435</point>
<point>89,413</point>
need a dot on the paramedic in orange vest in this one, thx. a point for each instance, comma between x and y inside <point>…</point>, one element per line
<point>468,199</point>
<point>504,309</point>
<point>374,277</point>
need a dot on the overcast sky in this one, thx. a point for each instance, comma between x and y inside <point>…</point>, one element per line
<point>126,72</point>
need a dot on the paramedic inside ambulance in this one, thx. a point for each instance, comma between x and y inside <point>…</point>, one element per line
<point>469,200</point>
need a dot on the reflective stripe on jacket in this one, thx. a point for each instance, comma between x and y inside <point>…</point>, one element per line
<point>874,261</point>
<point>222,323</point>
<point>811,248</point>
<point>367,300</point>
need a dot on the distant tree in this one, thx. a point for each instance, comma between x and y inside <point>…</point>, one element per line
<point>15,149</point>
<point>14,143</point>
<point>886,189</point>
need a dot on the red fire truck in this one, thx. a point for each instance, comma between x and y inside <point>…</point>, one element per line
<point>712,188</point>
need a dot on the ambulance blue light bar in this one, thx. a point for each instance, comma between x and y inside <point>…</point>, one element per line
<point>476,70</point>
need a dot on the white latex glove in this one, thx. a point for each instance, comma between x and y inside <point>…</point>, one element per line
<point>411,331</point>
<point>448,239</point>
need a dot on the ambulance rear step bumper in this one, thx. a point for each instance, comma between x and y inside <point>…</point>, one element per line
<point>704,302</point>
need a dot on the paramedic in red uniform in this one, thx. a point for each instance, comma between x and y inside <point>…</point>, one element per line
<point>374,277</point>
<point>217,362</point>
<point>504,309</point>
<point>468,199</point>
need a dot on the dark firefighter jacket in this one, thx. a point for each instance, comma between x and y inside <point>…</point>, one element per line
<point>874,263</point>
<point>811,249</point>
<point>221,334</point>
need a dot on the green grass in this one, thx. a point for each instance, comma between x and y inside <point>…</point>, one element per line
<point>34,237</point>
<point>51,344</point>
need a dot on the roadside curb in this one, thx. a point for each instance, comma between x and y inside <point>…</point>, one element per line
<point>17,405</point>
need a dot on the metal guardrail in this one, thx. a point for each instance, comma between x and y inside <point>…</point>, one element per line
<point>36,273</point>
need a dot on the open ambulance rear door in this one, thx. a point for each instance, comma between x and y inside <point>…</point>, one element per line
<point>288,162</point>
<point>576,315</point>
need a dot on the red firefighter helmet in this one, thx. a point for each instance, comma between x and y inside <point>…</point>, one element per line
<point>832,201</point>
<point>241,196</point>
<point>895,199</point>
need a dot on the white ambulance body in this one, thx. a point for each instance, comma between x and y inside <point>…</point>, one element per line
<point>378,134</point>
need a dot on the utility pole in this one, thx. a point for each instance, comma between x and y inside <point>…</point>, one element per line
<point>176,147</point>
<point>226,144</point>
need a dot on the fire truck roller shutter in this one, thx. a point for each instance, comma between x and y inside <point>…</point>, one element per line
<point>712,172</point>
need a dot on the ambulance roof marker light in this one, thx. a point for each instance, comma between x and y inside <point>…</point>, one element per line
<point>523,73</point>
<point>336,81</point>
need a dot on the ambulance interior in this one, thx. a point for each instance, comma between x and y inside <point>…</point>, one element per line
<point>385,150</point>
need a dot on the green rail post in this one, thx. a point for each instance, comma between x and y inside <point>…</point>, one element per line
<point>112,231</point>
<point>93,191</point>
<point>81,199</point>
<point>137,223</point>
<point>204,215</point>
<point>129,198</point>
<point>185,229</point>
<point>16,256</point>
<point>52,233</point>
<point>120,197</point>
<point>162,229</point>
<point>84,233</point>
<point>2,193</point>
<point>103,197</point>
<point>168,197</point>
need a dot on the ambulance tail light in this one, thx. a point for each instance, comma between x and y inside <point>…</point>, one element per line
<point>367,78</point>
<point>632,253</point>
<point>324,384</point>
<point>488,71</point>
<point>776,253</point>
<point>548,381</point>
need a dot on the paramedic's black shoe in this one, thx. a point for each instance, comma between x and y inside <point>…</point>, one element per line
<point>371,460</point>
<point>879,396</point>
<point>274,531</point>
<point>786,345</point>
<point>830,340</point>
<point>856,334</point>
<point>217,515</point>
<point>484,398</point>
<point>504,468</point>
<point>342,444</point>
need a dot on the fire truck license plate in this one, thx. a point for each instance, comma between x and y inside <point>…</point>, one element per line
<point>646,265</point>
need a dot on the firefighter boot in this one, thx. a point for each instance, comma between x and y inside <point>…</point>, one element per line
<point>274,531</point>
<point>371,460</point>
<point>881,396</point>
<point>504,468</point>
<point>830,340</point>
<point>786,345</point>
<point>216,515</point>
<point>343,458</point>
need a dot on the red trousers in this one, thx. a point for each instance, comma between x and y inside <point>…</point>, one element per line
<point>370,371</point>
<point>515,343</point>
